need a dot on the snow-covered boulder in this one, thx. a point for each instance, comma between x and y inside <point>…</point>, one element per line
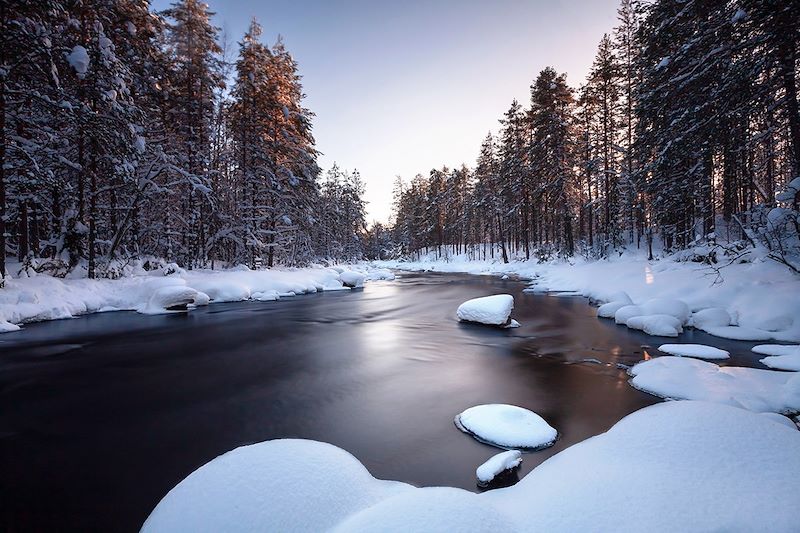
<point>497,465</point>
<point>788,361</point>
<point>169,298</point>
<point>780,419</point>
<point>665,306</point>
<point>690,379</point>
<point>506,426</point>
<point>221,288</point>
<point>610,309</point>
<point>627,312</point>
<point>739,333</point>
<point>269,295</point>
<point>657,325</point>
<point>776,349</point>
<point>201,299</point>
<point>493,310</point>
<point>699,351</point>
<point>711,317</point>
<point>352,279</point>
<point>440,509</point>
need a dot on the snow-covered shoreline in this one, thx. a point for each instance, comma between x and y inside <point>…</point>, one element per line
<point>760,297</point>
<point>43,297</point>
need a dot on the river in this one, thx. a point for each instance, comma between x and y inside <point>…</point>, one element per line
<point>103,414</point>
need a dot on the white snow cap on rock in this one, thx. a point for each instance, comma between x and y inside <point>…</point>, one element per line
<point>739,333</point>
<point>789,359</point>
<point>692,451</point>
<point>352,279</point>
<point>506,426</point>
<point>657,325</point>
<point>711,317</point>
<point>700,351</point>
<point>493,310</point>
<point>753,389</point>
<point>497,464</point>
<point>169,298</point>
<point>776,349</point>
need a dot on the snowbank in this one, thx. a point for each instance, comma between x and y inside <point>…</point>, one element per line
<point>689,379</point>
<point>690,453</point>
<point>506,426</point>
<point>781,357</point>
<point>700,351</point>
<point>42,297</point>
<point>497,464</point>
<point>493,310</point>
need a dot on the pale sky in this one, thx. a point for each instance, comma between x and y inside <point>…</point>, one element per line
<point>401,87</point>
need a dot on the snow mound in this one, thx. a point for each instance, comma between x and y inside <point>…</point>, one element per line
<point>780,419</point>
<point>690,379</point>
<point>265,296</point>
<point>711,317</point>
<point>610,309</point>
<point>169,298</point>
<point>627,312</point>
<point>201,299</point>
<point>352,279</point>
<point>657,325</point>
<point>493,310</point>
<point>700,351</point>
<point>776,349</point>
<point>789,361</point>
<point>739,333</point>
<point>221,290</point>
<point>380,274</point>
<point>691,451</point>
<point>666,306</point>
<point>506,426</point>
<point>497,464</point>
<point>279,485</point>
<point>429,509</point>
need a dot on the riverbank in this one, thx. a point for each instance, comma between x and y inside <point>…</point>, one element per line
<point>32,297</point>
<point>759,296</point>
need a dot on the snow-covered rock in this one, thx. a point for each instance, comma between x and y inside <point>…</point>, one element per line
<point>6,326</point>
<point>699,351</point>
<point>780,419</point>
<point>692,452</point>
<point>776,349</point>
<point>626,312</point>
<point>667,306</point>
<point>201,299</point>
<point>609,309</point>
<point>493,310</point>
<point>352,279</point>
<point>657,325</point>
<point>739,333</point>
<point>265,296</point>
<point>711,317</point>
<point>168,299</point>
<point>506,426</point>
<point>497,464</point>
<point>690,379</point>
<point>790,361</point>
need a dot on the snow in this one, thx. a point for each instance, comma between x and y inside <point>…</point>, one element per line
<point>776,349</point>
<point>610,309</point>
<point>497,464</point>
<point>739,333</point>
<point>750,295</point>
<point>169,299</point>
<point>657,325</point>
<point>780,419</point>
<point>711,317</point>
<point>788,361</point>
<point>690,379</point>
<point>78,59</point>
<point>35,297</point>
<point>352,279</point>
<point>506,426</point>
<point>700,351</point>
<point>686,454</point>
<point>493,310</point>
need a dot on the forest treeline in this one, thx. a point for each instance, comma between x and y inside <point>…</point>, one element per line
<point>128,133</point>
<point>685,130</point>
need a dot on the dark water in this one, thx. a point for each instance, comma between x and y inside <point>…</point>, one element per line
<point>100,416</point>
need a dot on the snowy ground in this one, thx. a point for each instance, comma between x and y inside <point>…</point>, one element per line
<point>703,467</point>
<point>34,298</point>
<point>754,301</point>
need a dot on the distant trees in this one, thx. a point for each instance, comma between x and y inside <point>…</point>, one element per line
<point>687,128</point>
<point>119,140</point>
